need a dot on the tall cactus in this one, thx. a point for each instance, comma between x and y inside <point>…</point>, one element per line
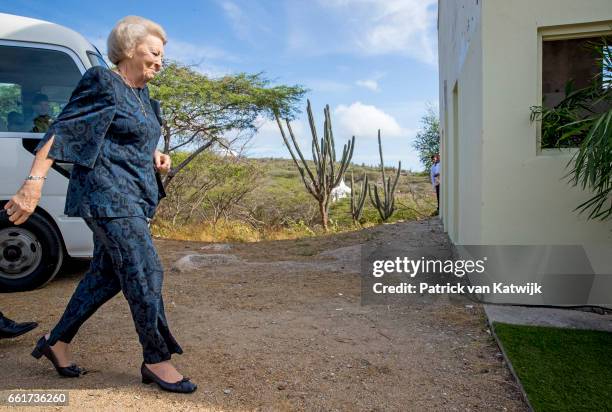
<point>357,202</point>
<point>327,172</point>
<point>385,206</point>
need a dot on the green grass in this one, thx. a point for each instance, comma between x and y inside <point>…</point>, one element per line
<point>561,369</point>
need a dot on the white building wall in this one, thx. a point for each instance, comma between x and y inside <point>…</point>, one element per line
<point>526,200</point>
<point>498,188</point>
<point>460,67</point>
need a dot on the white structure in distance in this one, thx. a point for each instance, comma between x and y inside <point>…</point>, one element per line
<point>340,192</point>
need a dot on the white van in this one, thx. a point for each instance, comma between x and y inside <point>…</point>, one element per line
<point>40,65</point>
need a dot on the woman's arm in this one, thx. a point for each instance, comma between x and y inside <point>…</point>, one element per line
<point>24,202</point>
<point>76,136</point>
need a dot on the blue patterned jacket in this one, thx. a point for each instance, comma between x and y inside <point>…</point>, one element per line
<point>105,134</point>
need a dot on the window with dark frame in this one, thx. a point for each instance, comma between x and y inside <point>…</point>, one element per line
<point>35,84</point>
<point>569,65</point>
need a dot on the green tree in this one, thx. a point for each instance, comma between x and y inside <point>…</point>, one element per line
<point>199,111</point>
<point>10,99</point>
<point>427,140</point>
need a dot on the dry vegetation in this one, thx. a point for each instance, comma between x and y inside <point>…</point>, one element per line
<point>246,200</point>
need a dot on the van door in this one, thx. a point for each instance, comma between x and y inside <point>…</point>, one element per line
<point>36,82</point>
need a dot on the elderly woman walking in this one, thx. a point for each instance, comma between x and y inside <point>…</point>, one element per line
<point>110,132</point>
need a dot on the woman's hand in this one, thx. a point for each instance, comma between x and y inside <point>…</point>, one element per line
<point>162,161</point>
<point>24,202</point>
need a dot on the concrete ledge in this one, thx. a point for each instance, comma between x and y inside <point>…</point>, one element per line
<point>552,317</point>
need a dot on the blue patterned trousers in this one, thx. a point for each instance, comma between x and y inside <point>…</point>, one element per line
<point>124,260</point>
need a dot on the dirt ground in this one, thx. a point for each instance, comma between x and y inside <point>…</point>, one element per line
<point>274,326</point>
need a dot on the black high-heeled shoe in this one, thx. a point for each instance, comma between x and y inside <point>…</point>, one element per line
<point>43,348</point>
<point>182,386</point>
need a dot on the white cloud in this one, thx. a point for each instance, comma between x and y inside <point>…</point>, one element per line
<point>356,119</point>
<point>368,84</point>
<point>403,26</point>
<point>269,142</point>
<point>190,51</point>
<point>364,120</point>
<point>365,27</point>
<point>204,58</point>
<point>237,18</point>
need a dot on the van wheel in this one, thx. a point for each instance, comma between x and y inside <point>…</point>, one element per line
<point>31,253</point>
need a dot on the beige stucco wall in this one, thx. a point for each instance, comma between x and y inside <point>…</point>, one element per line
<point>461,110</point>
<point>508,191</point>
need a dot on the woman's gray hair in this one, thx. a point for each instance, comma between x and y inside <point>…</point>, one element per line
<point>129,33</point>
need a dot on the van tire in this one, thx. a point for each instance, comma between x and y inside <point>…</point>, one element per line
<point>31,253</point>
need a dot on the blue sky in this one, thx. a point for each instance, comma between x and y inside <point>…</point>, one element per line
<point>373,61</point>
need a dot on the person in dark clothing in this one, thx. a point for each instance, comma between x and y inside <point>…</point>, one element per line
<point>41,120</point>
<point>11,329</point>
<point>110,131</point>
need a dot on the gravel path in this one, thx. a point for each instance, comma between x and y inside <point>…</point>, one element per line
<point>275,326</point>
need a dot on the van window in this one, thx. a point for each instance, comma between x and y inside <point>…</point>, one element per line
<point>96,59</point>
<point>35,84</point>
<point>10,110</point>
